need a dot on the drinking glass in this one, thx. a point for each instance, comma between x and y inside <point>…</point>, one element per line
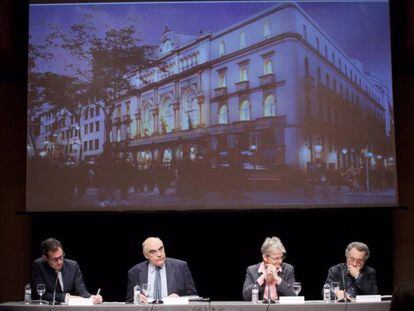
<point>296,286</point>
<point>41,288</point>
<point>145,289</point>
<point>335,289</point>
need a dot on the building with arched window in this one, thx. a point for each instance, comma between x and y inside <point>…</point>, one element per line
<point>278,93</point>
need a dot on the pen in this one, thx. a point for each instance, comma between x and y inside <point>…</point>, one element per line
<point>98,292</point>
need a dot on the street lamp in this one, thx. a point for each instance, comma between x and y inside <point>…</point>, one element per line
<point>368,155</point>
<point>253,148</point>
<point>344,152</point>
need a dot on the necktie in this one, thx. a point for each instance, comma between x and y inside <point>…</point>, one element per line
<point>60,279</point>
<point>157,287</point>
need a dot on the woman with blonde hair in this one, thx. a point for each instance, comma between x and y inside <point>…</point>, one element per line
<point>273,276</point>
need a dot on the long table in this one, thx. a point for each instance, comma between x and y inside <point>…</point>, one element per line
<point>204,306</point>
<point>307,306</point>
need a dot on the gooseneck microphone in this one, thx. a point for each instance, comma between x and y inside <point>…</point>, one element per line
<point>157,300</point>
<point>54,289</point>
<point>269,298</point>
<point>343,281</point>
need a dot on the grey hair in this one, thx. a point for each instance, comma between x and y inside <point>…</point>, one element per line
<point>147,239</point>
<point>271,245</point>
<point>361,247</point>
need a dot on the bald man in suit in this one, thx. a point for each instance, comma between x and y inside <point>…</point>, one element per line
<point>176,278</point>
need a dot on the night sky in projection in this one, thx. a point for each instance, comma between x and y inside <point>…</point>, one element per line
<point>360,29</point>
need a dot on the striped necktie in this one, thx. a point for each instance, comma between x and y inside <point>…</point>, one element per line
<point>157,285</point>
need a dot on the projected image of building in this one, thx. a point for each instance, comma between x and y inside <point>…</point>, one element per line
<point>269,93</point>
<point>270,103</point>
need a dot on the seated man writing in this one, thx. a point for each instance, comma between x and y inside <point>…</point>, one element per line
<point>62,277</point>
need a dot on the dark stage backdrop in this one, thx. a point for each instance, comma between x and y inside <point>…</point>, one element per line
<point>218,246</point>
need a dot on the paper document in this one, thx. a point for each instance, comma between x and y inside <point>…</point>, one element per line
<point>79,301</point>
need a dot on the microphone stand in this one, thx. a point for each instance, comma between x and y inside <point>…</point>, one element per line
<point>343,281</point>
<point>269,299</point>
<point>54,290</point>
<point>158,300</point>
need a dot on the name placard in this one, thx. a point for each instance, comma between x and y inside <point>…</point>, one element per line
<point>175,300</point>
<point>368,298</point>
<point>292,300</point>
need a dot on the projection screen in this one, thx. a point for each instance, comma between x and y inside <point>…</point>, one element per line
<point>209,105</point>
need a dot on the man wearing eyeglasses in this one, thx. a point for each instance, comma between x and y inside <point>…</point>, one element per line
<point>273,276</point>
<point>62,277</point>
<point>165,276</point>
<point>359,279</point>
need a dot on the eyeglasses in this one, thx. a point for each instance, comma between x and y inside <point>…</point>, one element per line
<point>57,259</point>
<point>356,260</point>
<point>153,252</point>
<point>276,258</point>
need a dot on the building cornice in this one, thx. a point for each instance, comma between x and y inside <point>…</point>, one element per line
<point>254,18</point>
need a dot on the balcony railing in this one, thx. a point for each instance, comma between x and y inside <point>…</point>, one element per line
<point>270,122</point>
<point>267,79</point>
<point>242,86</point>
<point>221,91</point>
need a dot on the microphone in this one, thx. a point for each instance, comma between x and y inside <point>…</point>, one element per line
<point>54,289</point>
<point>345,299</point>
<point>158,300</point>
<point>269,298</point>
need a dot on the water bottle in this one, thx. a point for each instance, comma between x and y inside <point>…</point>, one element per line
<point>255,293</point>
<point>326,293</point>
<point>137,292</point>
<point>27,294</point>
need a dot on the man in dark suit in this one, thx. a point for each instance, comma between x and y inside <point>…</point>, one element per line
<point>62,277</point>
<point>174,277</point>
<point>359,278</point>
<point>272,274</point>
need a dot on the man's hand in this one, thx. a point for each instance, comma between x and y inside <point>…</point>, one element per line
<point>97,299</point>
<point>354,271</point>
<point>340,295</point>
<point>143,298</point>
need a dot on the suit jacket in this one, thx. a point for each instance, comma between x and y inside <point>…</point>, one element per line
<point>365,284</point>
<point>72,278</point>
<point>283,289</point>
<point>179,279</point>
